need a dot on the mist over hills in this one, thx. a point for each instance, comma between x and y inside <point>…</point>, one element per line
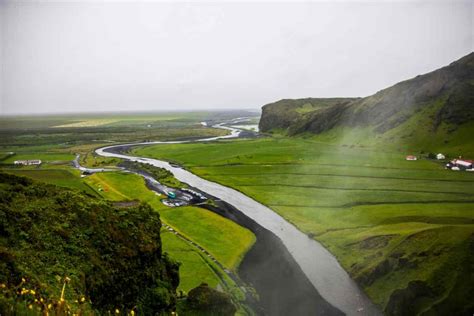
<point>435,105</point>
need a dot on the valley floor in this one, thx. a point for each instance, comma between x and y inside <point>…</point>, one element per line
<point>402,229</point>
<point>225,241</point>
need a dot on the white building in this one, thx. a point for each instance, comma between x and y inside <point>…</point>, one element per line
<point>440,156</point>
<point>27,162</point>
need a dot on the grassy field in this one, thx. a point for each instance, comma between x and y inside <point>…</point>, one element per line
<point>212,233</point>
<point>63,178</point>
<point>203,227</point>
<point>46,157</point>
<point>49,133</point>
<point>195,268</point>
<point>57,139</point>
<point>388,221</point>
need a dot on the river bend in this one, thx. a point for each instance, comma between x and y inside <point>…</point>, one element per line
<point>318,264</point>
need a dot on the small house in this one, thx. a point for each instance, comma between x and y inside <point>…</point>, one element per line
<point>411,158</point>
<point>440,156</point>
<point>460,164</point>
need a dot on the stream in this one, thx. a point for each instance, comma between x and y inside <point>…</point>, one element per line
<point>319,266</point>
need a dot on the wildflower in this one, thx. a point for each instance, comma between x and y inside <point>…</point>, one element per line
<point>117,311</point>
<point>30,306</point>
<point>23,280</point>
<point>50,305</point>
<point>41,300</point>
<point>3,286</point>
<point>32,292</point>
<point>132,312</point>
<point>83,299</point>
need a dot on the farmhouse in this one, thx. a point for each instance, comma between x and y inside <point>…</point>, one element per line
<point>410,157</point>
<point>27,162</point>
<point>460,164</point>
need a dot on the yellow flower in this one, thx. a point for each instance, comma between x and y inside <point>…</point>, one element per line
<point>3,286</point>
<point>132,312</point>
<point>50,305</point>
<point>83,299</point>
<point>41,300</point>
<point>30,306</point>
<point>32,292</point>
<point>23,280</point>
<point>117,311</point>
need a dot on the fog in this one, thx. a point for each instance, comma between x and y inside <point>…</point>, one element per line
<point>127,56</point>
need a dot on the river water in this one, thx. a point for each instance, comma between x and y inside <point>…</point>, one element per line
<point>319,265</point>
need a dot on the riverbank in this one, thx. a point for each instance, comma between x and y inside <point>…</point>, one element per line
<point>318,265</point>
<point>281,285</point>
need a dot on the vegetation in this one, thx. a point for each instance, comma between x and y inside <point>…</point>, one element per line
<point>62,251</point>
<point>162,175</point>
<point>56,133</point>
<point>224,239</point>
<point>390,222</point>
<point>66,178</point>
<point>430,112</point>
<point>207,301</point>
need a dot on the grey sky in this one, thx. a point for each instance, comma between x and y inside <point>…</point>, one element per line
<point>112,56</point>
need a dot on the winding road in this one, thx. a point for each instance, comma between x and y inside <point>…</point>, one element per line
<point>318,264</point>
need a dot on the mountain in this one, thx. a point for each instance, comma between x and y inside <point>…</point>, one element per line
<point>438,104</point>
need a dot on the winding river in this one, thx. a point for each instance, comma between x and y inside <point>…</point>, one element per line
<point>318,264</point>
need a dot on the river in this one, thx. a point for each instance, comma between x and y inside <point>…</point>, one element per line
<point>318,264</point>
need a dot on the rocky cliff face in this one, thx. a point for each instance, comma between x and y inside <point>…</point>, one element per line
<point>449,91</point>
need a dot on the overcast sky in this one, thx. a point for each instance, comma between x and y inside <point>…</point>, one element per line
<point>114,56</point>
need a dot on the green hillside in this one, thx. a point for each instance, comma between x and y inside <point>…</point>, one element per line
<point>430,112</point>
<point>63,252</point>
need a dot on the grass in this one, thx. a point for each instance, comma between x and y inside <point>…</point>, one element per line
<point>225,240</point>
<point>47,157</point>
<point>195,268</point>
<point>63,178</point>
<point>387,220</point>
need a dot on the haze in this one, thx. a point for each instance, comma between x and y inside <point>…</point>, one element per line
<point>117,56</point>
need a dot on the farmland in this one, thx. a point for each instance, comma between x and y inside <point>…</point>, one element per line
<point>56,140</point>
<point>212,228</point>
<point>390,222</point>
<point>60,177</point>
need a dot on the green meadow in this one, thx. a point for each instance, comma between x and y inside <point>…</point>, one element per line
<point>67,178</point>
<point>57,139</point>
<point>387,220</point>
<point>224,239</point>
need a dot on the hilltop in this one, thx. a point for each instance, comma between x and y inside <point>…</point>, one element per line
<point>428,112</point>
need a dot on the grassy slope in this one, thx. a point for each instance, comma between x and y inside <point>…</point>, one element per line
<point>227,241</point>
<point>49,233</point>
<point>63,178</point>
<point>366,206</point>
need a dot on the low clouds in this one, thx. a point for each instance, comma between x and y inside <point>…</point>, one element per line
<point>112,56</point>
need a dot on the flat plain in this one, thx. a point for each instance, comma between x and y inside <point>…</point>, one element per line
<point>388,221</point>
